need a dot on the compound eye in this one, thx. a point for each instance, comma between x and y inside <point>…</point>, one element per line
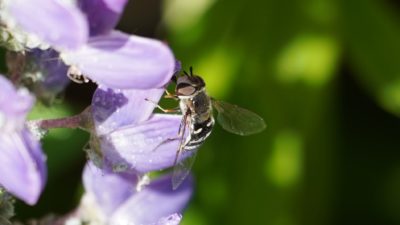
<point>185,89</point>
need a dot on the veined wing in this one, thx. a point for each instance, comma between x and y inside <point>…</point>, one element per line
<point>183,166</point>
<point>238,120</point>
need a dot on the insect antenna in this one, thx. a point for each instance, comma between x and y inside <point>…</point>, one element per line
<point>191,70</point>
<point>186,73</point>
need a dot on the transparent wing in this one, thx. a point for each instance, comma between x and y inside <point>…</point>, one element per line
<point>238,120</point>
<point>183,166</point>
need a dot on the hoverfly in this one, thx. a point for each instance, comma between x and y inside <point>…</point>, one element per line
<point>197,110</point>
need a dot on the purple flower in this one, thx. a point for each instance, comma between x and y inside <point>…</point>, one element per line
<point>61,24</point>
<point>119,60</point>
<point>22,163</point>
<point>113,198</point>
<point>45,73</point>
<point>129,135</point>
<point>103,15</point>
<point>108,57</point>
<point>53,22</point>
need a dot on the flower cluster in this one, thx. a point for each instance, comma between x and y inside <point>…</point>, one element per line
<point>57,39</point>
<point>114,198</point>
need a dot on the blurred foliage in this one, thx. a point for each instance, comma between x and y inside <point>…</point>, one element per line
<point>325,76</point>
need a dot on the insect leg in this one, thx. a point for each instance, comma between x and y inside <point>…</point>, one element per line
<point>181,133</point>
<point>183,121</point>
<point>169,95</point>
<point>161,108</point>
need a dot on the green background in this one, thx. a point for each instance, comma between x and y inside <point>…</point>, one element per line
<point>325,76</point>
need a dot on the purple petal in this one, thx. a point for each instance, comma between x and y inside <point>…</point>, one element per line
<point>144,147</point>
<point>178,66</point>
<point>173,219</point>
<point>55,22</point>
<point>116,5</point>
<point>103,15</point>
<point>154,204</point>
<point>112,109</point>
<point>22,166</point>
<point>110,189</point>
<point>118,60</point>
<point>14,106</point>
<point>51,70</point>
<point>54,69</point>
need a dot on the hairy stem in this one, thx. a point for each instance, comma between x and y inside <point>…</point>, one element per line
<point>81,121</point>
<point>67,122</point>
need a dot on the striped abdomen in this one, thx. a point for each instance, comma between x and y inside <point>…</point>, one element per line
<point>199,133</point>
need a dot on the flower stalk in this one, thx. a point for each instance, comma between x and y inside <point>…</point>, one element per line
<point>82,121</point>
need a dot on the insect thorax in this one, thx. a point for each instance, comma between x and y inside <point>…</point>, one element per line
<point>199,106</point>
